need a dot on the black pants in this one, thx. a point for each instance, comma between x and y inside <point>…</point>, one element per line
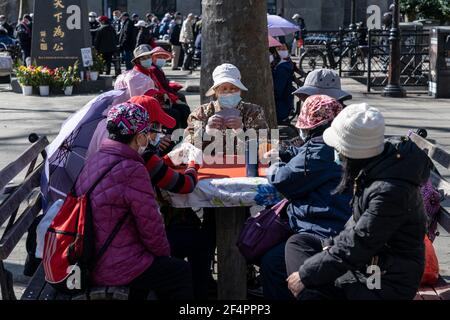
<point>196,242</point>
<point>188,54</point>
<point>284,259</point>
<point>170,278</point>
<point>298,249</point>
<point>108,56</point>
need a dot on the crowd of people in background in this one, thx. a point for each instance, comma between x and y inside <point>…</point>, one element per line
<point>131,31</point>
<point>118,36</point>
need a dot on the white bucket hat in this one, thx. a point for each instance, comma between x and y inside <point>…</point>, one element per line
<point>357,132</point>
<point>226,73</point>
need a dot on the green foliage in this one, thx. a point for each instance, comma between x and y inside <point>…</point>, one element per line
<point>99,63</point>
<point>427,9</point>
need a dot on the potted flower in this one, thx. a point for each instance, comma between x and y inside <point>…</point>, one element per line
<point>98,66</point>
<point>26,76</point>
<point>70,78</point>
<point>45,79</point>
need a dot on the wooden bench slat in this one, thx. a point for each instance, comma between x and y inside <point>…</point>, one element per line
<point>20,227</point>
<point>13,202</point>
<point>434,152</point>
<point>13,169</point>
<point>48,293</point>
<point>36,285</point>
<point>428,293</point>
<point>418,297</point>
<point>444,219</point>
<point>442,289</point>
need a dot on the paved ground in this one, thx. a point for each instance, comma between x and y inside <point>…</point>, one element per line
<point>20,116</point>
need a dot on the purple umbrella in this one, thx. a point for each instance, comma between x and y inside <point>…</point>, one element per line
<point>66,155</point>
<point>279,26</point>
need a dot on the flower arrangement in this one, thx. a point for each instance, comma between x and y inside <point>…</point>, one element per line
<point>27,76</point>
<point>71,76</point>
<point>44,76</point>
<point>59,78</point>
<point>64,78</point>
<point>99,63</point>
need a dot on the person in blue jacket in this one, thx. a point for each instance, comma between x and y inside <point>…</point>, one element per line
<point>283,77</point>
<point>307,176</point>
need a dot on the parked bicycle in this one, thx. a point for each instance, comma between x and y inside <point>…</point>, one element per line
<point>349,53</point>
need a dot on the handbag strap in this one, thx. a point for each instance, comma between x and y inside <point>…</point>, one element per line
<point>280,206</point>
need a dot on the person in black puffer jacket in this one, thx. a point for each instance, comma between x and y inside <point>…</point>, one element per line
<point>388,226</point>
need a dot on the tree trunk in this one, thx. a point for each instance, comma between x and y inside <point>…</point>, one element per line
<point>235,31</point>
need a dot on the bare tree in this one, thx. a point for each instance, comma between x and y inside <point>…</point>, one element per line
<point>235,31</point>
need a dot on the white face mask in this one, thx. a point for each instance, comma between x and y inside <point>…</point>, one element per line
<point>271,58</point>
<point>157,139</point>
<point>143,148</point>
<point>284,54</point>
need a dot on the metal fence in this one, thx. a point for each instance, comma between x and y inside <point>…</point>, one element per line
<point>414,59</point>
<point>365,55</point>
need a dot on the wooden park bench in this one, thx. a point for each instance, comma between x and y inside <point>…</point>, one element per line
<point>20,206</point>
<point>441,290</point>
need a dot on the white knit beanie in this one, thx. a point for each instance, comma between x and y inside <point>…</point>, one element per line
<point>357,132</point>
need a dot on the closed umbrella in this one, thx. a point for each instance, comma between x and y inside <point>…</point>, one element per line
<point>279,26</point>
<point>66,155</point>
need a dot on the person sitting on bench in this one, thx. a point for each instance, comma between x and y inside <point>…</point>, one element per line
<point>307,176</point>
<point>380,254</point>
<point>139,256</point>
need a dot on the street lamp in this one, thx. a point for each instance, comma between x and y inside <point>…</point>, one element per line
<point>353,16</point>
<point>394,89</point>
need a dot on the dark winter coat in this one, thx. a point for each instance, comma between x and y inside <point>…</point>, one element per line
<point>127,37</point>
<point>308,180</point>
<point>175,35</point>
<point>143,37</point>
<point>388,225</point>
<point>283,77</point>
<point>24,37</point>
<point>106,39</point>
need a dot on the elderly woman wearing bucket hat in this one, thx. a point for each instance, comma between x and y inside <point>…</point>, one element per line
<point>388,225</point>
<point>308,179</point>
<point>226,90</point>
<point>144,59</point>
<point>323,81</point>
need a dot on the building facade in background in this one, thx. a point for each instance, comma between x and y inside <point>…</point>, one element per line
<point>318,14</point>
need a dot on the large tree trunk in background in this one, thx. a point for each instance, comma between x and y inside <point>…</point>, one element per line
<point>235,31</point>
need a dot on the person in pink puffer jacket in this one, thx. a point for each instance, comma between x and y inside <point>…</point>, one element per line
<point>139,255</point>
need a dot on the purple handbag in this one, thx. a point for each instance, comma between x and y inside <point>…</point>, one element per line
<point>262,232</point>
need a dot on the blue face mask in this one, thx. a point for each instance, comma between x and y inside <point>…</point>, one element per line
<point>337,158</point>
<point>229,100</point>
<point>146,63</point>
<point>160,63</point>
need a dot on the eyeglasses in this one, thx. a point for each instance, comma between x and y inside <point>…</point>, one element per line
<point>155,127</point>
